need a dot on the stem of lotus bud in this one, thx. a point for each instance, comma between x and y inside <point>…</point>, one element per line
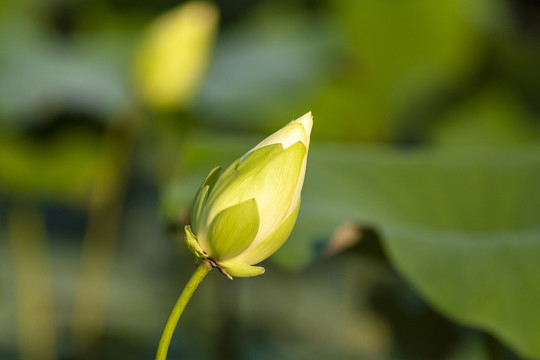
<point>202,270</point>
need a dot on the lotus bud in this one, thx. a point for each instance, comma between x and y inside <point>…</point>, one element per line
<point>173,55</point>
<point>243,215</point>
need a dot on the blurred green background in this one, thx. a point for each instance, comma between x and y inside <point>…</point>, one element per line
<point>419,232</point>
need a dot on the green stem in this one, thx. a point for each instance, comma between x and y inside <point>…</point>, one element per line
<point>33,286</point>
<point>101,237</point>
<point>199,274</point>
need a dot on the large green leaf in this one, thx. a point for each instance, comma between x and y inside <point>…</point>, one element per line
<point>462,225</point>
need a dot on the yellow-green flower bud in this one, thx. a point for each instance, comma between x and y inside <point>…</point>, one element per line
<point>173,55</point>
<point>243,215</point>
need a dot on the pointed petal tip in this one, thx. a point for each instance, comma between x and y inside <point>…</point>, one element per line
<point>307,122</point>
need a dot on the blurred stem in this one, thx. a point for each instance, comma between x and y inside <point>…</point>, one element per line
<point>33,290</point>
<point>97,254</point>
<point>199,274</point>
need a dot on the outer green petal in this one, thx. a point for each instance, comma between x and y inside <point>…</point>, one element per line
<point>197,207</point>
<point>192,243</point>
<point>272,243</point>
<point>255,161</point>
<point>233,230</point>
<point>276,186</point>
<point>237,269</point>
<point>212,178</point>
<point>201,196</point>
<point>270,175</point>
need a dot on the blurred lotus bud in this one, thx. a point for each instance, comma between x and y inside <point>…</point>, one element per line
<point>174,54</point>
<point>243,215</point>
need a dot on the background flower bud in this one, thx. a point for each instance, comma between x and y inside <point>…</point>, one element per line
<point>243,215</point>
<point>174,53</point>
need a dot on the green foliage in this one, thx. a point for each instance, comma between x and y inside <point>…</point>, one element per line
<point>401,54</point>
<point>50,170</point>
<point>39,72</point>
<point>462,227</point>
